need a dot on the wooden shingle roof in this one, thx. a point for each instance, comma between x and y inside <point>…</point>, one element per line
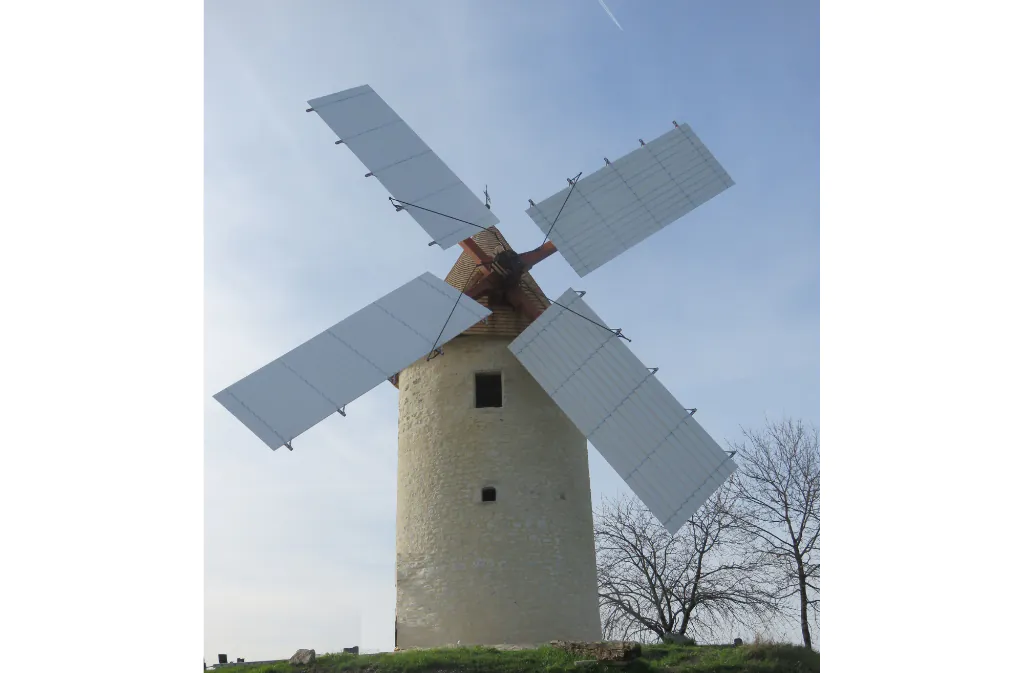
<point>504,320</point>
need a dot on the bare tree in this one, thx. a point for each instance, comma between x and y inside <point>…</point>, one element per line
<point>652,584</point>
<point>779,498</point>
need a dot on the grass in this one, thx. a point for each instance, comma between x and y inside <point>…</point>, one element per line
<point>755,658</point>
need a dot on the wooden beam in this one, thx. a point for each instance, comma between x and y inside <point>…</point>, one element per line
<point>522,303</point>
<point>470,246</point>
<point>488,281</point>
<point>534,257</point>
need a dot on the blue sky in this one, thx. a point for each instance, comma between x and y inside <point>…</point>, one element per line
<point>520,96</point>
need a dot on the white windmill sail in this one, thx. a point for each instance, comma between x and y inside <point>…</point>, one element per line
<point>631,198</point>
<point>309,383</point>
<point>404,164</point>
<point>654,444</point>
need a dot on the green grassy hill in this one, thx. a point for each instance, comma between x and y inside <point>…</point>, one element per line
<point>755,658</point>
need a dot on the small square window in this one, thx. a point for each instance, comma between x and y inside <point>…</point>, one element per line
<point>489,494</point>
<point>488,390</point>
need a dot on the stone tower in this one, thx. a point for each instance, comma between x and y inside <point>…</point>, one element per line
<point>495,538</point>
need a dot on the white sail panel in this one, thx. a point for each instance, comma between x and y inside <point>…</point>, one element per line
<point>615,208</point>
<point>643,432</point>
<point>293,393</point>
<point>404,164</point>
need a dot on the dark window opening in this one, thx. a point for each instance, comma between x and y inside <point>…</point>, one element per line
<point>489,494</point>
<point>488,390</point>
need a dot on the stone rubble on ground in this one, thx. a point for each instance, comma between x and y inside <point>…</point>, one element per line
<point>603,651</point>
<point>303,658</point>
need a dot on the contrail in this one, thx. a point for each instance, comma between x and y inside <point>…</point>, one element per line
<point>610,15</point>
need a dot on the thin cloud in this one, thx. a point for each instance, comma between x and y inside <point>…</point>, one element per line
<point>610,15</point>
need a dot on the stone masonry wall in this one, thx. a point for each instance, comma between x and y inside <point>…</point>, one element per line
<point>518,570</point>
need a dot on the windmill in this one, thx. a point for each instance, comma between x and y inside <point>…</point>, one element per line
<point>501,387</point>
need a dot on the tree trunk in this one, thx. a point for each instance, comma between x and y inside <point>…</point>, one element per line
<point>805,627</point>
<point>686,622</point>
